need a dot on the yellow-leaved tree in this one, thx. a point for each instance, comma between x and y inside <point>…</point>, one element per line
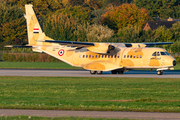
<point>124,15</point>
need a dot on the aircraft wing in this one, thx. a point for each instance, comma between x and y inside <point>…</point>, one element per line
<point>158,43</point>
<point>71,43</point>
<point>93,47</point>
<point>146,44</point>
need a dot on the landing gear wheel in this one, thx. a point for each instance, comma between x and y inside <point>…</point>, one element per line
<point>160,72</point>
<point>99,72</point>
<point>93,72</point>
<point>114,71</point>
<point>120,72</point>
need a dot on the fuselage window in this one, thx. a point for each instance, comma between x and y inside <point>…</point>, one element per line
<point>83,56</point>
<point>115,56</point>
<point>102,56</point>
<point>89,56</point>
<point>92,56</point>
<point>118,56</point>
<point>86,56</point>
<point>108,56</point>
<point>80,56</point>
<point>124,56</point>
<point>111,56</point>
<point>140,56</point>
<point>127,56</point>
<point>134,56</point>
<point>105,56</point>
<point>96,56</point>
<point>137,56</point>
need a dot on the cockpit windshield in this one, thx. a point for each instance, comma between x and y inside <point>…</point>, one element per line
<point>163,53</point>
<point>160,53</point>
<point>167,53</point>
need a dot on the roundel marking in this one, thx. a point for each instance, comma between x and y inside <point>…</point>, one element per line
<point>61,52</point>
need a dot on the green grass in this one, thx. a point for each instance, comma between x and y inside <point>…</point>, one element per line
<point>57,118</point>
<point>45,65</point>
<point>37,65</point>
<point>76,93</point>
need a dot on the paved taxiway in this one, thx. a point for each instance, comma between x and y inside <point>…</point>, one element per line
<point>85,73</point>
<point>92,114</point>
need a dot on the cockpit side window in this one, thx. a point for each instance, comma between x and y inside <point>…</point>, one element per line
<point>154,54</point>
<point>163,53</point>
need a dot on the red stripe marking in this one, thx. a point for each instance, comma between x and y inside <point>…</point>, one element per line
<point>36,28</point>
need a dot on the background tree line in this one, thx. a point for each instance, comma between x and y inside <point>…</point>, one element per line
<point>91,20</point>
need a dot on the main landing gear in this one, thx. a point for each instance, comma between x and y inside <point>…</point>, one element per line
<point>117,71</point>
<point>113,72</point>
<point>94,72</point>
<point>160,72</point>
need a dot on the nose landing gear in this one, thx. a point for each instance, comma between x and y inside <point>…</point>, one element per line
<point>160,72</point>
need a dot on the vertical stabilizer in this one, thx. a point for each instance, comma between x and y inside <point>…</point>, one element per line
<point>33,27</point>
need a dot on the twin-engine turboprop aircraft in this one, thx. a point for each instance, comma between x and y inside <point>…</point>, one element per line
<point>98,57</point>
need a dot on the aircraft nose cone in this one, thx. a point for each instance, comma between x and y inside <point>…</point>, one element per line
<point>174,63</point>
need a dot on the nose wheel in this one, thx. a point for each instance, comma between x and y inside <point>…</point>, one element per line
<point>160,72</point>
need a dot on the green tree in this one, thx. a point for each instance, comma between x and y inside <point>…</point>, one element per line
<point>116,2</point>
<point>79,12</point>
<point>162,8</point>
<point>13,25</point>
<point>129,34</point>
<point>163,34</point>
<point>42,7</point>
<point>61,26</point>
<point>75,2</point>
<point>98,33</point>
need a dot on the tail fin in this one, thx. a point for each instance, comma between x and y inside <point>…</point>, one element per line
<point>33,27</point>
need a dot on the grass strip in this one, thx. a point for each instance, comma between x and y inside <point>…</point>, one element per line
<point>45,65</point>
<point>76,93</point>
<point>55,118</point>
<point>37,65</point>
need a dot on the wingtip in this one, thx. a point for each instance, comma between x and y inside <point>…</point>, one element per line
<point>8,46</point>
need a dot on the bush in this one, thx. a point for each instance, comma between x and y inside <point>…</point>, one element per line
<point>28,57</point>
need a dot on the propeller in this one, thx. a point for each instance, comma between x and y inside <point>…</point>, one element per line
<point>110,47</point>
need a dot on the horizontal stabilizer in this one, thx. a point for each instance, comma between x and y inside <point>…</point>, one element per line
<point>19,46</point>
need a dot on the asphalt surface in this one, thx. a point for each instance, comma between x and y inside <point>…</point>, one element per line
<point>91,114</point>
<point>85,73</point>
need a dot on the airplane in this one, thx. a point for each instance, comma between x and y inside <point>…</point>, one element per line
<point>97,57</point>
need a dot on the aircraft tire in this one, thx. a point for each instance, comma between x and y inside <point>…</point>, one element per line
<point>114,71</point>
<point>99,72</point>
<point>93,72</point>
<point>120,72</point>
<point>160,72</point>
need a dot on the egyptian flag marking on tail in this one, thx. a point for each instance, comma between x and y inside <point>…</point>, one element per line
<point>36,30</point>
